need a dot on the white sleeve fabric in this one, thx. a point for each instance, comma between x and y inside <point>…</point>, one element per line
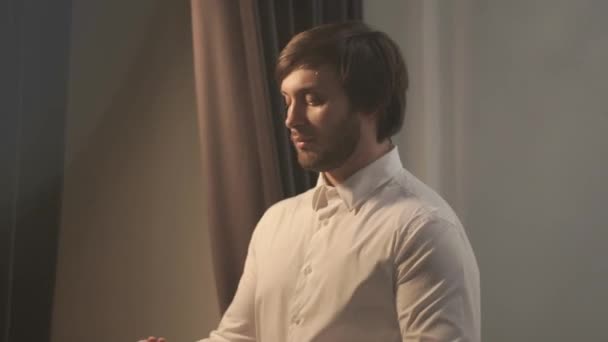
<point>431,293</point>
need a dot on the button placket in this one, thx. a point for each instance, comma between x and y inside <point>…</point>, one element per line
<point>302,283</point>
<point>307,269</point>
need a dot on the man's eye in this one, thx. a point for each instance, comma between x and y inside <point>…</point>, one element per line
<point>313,100</point>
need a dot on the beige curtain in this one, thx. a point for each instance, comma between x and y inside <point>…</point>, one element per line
<point>238,150</point>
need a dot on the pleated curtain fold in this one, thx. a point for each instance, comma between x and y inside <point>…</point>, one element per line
<point>248,161</point>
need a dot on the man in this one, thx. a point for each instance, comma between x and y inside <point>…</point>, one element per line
<point>371,253</point>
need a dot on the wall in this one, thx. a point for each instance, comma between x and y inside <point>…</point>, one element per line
<point>134,257</point>
<point>533,146</point>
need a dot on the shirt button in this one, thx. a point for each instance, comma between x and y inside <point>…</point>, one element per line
<point>307,270</point>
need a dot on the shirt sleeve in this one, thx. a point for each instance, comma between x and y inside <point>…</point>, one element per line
<point>429,282</point>
<point>238,322</point>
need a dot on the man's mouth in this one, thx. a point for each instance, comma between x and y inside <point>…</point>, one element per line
<point>301,141</point>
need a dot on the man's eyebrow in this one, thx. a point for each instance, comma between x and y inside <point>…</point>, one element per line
<point>304,89</point>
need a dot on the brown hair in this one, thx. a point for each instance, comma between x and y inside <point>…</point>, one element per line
<point>370,66</point>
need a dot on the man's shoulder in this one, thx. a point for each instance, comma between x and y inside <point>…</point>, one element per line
<point>289,203</point>
<point>418,201</point>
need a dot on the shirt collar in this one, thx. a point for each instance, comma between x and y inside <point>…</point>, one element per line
<point>360,186</point>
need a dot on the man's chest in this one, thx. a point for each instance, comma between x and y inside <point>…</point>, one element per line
<point>326,259</point>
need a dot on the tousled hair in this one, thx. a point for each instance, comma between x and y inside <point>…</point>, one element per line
<point>370,66</point>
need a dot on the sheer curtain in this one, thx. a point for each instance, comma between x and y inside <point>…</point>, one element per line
<point>507,120</point>
<point>434,37</point>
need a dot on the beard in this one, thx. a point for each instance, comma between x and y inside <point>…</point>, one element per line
<point>332,147</point>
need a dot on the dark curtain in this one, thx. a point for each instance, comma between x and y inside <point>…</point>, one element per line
<point>279,22</point>
<point>34,64</point>
<point>247,159</point>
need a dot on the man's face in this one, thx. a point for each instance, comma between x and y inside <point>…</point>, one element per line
<point>323,128</point>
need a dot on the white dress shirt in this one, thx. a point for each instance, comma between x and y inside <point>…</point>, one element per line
<point>379,258</point>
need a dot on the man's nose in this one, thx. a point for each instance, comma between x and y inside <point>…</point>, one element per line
<point>294,116</point>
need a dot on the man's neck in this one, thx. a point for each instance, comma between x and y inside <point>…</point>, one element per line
<point>363,155</point>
